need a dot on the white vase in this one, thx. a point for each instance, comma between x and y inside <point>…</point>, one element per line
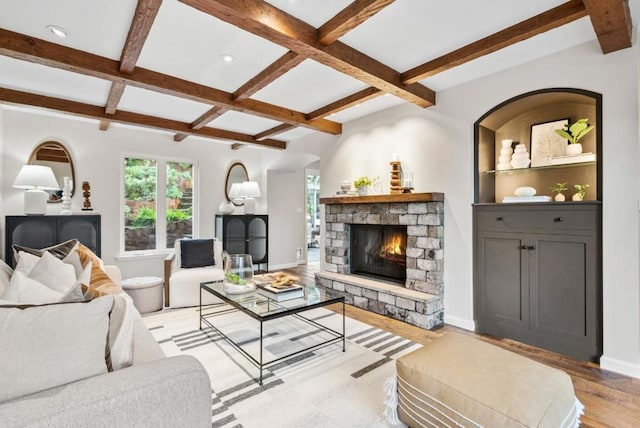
<point>363,190</point>
<point>225,207</point>
<point>559,197</point>
<point>574,149</point>
<point>576,197</point>
<point>66,196</point>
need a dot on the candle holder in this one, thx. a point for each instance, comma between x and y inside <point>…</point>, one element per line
<point>395,178</point>
<point>86,193</point>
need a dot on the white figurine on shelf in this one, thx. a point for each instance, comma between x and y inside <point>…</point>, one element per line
<point>66,196</point>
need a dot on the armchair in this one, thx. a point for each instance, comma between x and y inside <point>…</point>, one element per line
<point>182,285</point>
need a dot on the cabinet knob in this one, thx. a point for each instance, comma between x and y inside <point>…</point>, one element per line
<point>558,219</point>
<point>523,247</point>
<point>501,218</point>
<point>531,247</point>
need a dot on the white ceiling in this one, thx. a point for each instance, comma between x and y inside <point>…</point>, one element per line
<point>186,43</point>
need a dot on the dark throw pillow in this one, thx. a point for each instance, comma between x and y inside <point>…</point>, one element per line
<point>196,253</point>
<point>60,251</point>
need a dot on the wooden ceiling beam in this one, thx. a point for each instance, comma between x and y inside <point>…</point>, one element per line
<point>262,19</point>
<point>143,17</point>
<point>104,125</point>
<point>75,108</point>
<point>26,48</point>
<point>552,18</point>
<point>349,18</point>
<point>237,146</point>
<point>273,131</point>
<point>346,102</point>
<point>275,70</point>
<point>611,20</point>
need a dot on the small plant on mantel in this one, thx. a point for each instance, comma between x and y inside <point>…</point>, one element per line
<point>362,184</point>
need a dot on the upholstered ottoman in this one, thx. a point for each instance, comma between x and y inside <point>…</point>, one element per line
<point>145,291</point>
<point>461,381</point>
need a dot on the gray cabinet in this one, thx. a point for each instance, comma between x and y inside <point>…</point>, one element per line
<point>537,275</point>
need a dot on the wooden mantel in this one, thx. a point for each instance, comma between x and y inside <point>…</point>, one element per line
<point>382,199</point>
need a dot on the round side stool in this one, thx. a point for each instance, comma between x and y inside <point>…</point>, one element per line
<point>145,291</point>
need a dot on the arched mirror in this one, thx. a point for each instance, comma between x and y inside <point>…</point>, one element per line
<point>237,173</point>
<point>56,156</point>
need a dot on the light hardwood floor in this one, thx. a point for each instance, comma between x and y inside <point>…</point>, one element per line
<point>610,399</point>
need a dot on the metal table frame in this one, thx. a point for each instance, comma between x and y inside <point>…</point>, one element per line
<point>231,305</point>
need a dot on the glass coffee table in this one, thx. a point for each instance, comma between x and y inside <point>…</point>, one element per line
<point>263,309</point>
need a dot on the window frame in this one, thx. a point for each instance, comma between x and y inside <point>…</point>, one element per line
<point>161,204</point>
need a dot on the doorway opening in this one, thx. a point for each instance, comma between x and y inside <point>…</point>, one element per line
<point>313,215</point>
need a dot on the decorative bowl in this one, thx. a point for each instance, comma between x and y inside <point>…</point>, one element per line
<point>231,288</point>
<point>525,191</point>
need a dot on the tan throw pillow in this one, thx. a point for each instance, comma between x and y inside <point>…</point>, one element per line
<point>100,283</point>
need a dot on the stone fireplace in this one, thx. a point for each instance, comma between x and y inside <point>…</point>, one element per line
<point>401,232</point>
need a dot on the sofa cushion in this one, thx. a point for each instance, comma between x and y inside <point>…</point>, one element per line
<point>5,276</point>
<point>185,286</point>
<point>196,253</point>
<point>54,273</point>
<point>47,346</point>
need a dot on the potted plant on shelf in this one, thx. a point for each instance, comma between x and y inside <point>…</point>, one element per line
<point>574,132</point>
<point>363,183</point>
<point>558,188</point>
<point>581,191</point>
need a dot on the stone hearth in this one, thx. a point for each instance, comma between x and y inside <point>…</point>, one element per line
<point>420,301</point>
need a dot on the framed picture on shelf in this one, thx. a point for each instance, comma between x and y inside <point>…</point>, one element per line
<point>546,144</point>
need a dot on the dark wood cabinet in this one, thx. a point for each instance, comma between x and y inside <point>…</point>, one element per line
<point>45,231</point>
<point>537,275</point>
<point>245,234</point>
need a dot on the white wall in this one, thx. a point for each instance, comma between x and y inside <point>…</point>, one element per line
<point>97,157</point>
<point>286,201</point>
<point>436,144</point>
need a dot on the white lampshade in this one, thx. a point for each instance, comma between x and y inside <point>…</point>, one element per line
<point>248,191</point>
<point>36,179</point>
<point>234,192</point>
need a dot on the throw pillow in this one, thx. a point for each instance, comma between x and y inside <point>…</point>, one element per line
<point>196,253</point>
<point>5,276</point>
<point>59,250</point>
<point>100,283</point>
<point>25,262</point>
<point>40,345</point>
<point>120,333</point>
<point>23,289</point>
<point>54,273</point>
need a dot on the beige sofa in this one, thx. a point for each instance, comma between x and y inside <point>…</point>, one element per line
<point>155,391</point>
<point>182,286</point>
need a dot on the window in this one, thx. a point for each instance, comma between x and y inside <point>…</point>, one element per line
<point>152,223</point>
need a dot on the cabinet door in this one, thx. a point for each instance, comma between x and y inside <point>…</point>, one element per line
<point>235,235</point>
<point>502,278</point>
<point>257,239</point>
<point>85,228</point>
<point>563,287</point>
<point>32,232</point>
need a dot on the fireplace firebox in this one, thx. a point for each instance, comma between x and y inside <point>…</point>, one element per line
<point>379,251</point>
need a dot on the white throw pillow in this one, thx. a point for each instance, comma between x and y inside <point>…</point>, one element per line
<point>53,273</point>
<point>121,332</point>
<point>26,262</point>
<point>5,276</point>
<point>23,289</point>
<point>46,346</point>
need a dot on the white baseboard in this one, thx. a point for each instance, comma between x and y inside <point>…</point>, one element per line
<point>623,367</point>
<point>460,322</point>
<point>283,266</point>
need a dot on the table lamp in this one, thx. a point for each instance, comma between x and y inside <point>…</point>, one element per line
<point>36,179</point>
<point>248,191</point>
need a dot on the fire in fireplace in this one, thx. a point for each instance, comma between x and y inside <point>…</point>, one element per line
<point>379,251</point>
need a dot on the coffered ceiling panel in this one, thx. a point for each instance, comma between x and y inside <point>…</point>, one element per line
<point>99,27</point>
<point>189,44</point>
<point>29,77</point>
<point>309,86</point>
<point>315,13</point>
<point>156,104</point>
<point>236,121</point>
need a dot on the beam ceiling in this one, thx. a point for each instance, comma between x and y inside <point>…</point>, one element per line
<point>349,18</point>
<point>9,96</point>
<point>26,48</point>
<point>611,20</point>
<point>262,19</point>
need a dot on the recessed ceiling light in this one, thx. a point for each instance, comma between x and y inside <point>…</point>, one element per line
<point>227,57</point>
<point>58,31</point>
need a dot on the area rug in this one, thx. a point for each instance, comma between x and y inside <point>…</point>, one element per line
<point>321,388</point>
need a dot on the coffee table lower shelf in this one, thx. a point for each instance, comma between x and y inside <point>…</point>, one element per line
<point>209,312</point>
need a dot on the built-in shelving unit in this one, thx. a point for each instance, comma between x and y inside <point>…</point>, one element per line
<point>537,266</point>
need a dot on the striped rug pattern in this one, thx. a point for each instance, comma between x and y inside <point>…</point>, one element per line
<point>325,387</point>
